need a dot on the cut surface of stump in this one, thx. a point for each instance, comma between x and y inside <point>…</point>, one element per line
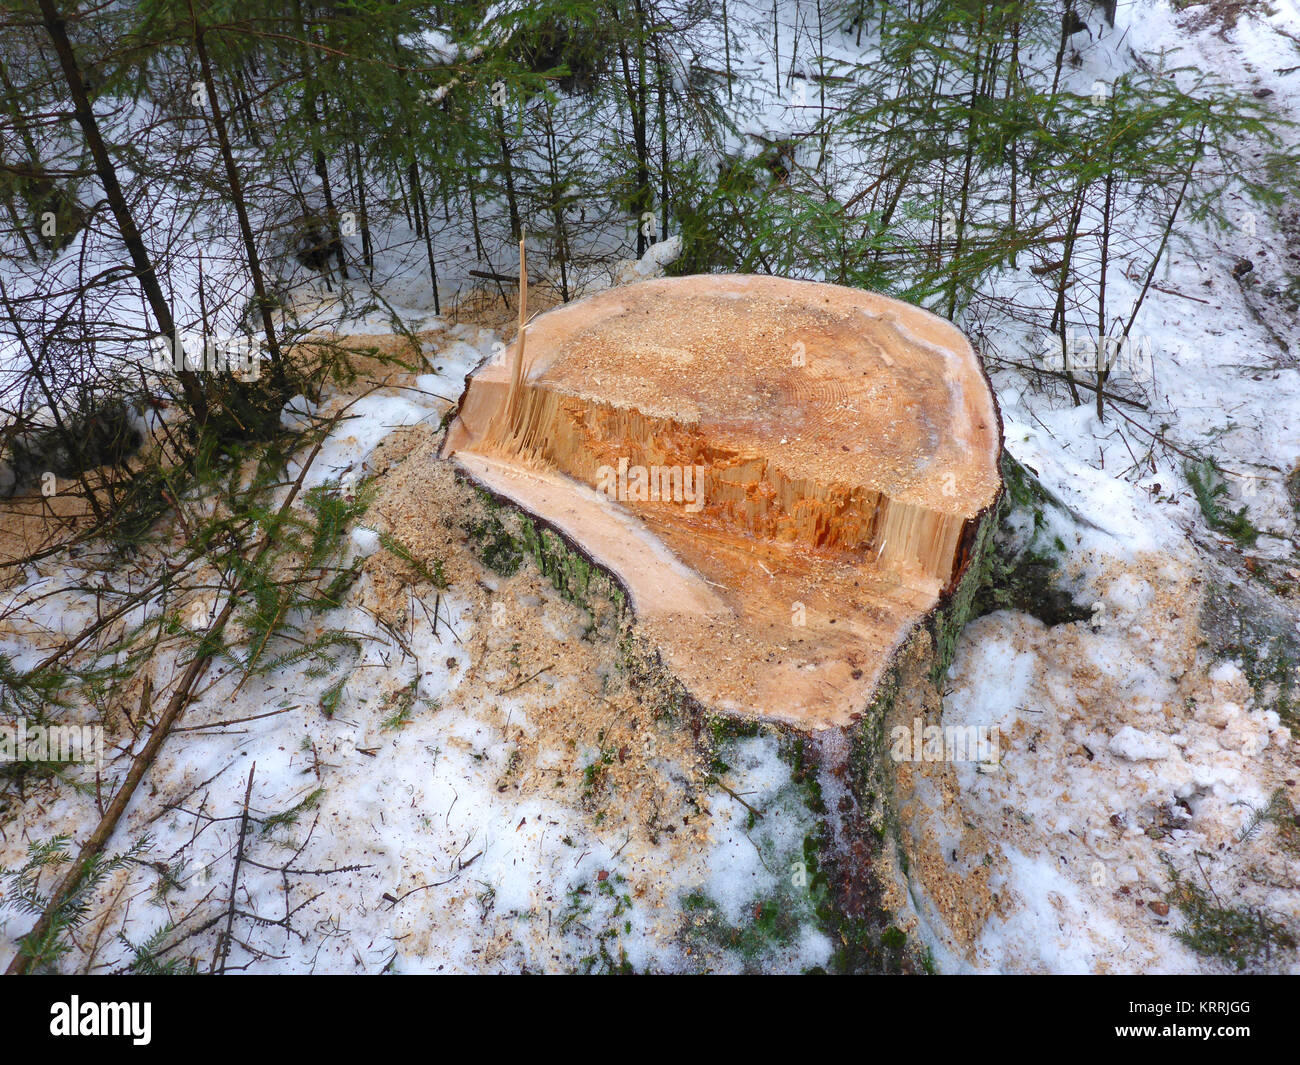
<point>786,477</point>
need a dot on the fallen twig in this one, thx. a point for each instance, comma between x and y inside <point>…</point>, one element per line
<point>234,720</point>
<point>524,681</point>
<point>223,947</point>
<point>757,813</point>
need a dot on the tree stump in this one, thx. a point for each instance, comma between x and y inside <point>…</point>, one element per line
<point>785,478</point>
<point>790,491</point>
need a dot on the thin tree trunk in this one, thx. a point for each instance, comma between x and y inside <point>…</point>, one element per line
<point>636,97</point>
<point>406,203</point>
<point>663,141</point>
<point>776,46</point>
<point>367,250</point>
<point>1103,348</point>
<point>322,171</point>
<point>557,208</point>
<point>162,313</point>
<point>1013,76</point>
<point>474,223</point>
<point>1066,19</point>
<point>821,83</point>
<point>1058,317</point>
<point>1164,237</point>
<point>512,202</point>
<point>241,211</point>
<point>726,46</point>
<point>972,131</point>
<point>422,211</point>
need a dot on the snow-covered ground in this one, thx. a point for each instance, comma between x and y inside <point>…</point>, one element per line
<point>1132,752</point>
<point>489,794</point>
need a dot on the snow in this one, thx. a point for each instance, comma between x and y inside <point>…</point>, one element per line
<point>652,262</point>
<point>366,541</point>
<point>365,424</point>
<point>1135,745</point>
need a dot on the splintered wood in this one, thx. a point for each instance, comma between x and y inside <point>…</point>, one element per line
<point>785,476</point>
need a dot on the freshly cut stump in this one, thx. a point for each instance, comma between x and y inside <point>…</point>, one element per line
<point>787,478</point>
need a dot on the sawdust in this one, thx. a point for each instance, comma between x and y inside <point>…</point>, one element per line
<point>599,728</point>
<point>947,855</point>
<point>1118,824</point>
